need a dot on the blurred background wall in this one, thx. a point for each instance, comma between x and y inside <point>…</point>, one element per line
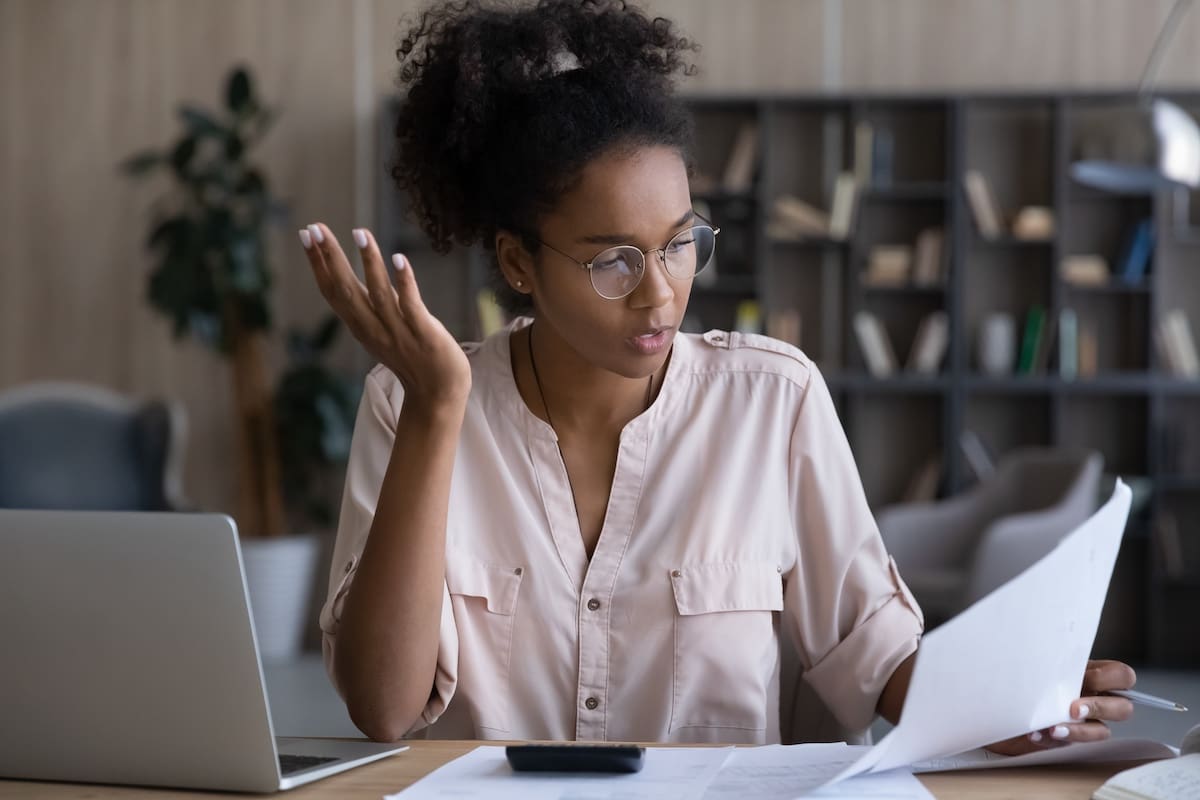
<point>84,83</point>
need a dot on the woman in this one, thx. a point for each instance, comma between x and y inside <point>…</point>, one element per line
<point>590,526</point>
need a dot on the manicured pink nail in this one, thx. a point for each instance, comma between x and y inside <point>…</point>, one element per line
<point>398,262</point>
<point>305,238</point>
<point>1036,736</point>
<point>1060,732</point>
<point>360,238</point>
<point>1083,712</point>
<point>317,235</point>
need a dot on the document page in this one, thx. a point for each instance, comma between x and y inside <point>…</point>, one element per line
<point>779,772</point>
<point>670,773</point>
<point>1014,661</point>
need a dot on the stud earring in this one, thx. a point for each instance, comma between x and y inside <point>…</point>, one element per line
<point>520,284</point>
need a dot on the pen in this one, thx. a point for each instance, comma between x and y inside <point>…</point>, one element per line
<point>1148,699</point>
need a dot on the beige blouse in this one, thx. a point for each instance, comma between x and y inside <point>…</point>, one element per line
<point>735,507</point>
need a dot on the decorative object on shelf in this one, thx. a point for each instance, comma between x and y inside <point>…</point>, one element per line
<point>1176,134</point>
<point>1085,269</point>
<point>212,280</point>
<point>930,343</point>
<point>875,345</point>
<point>997,344</point>
<point>983,204</point>
<point>1034,224</point>
<point>784,325</point>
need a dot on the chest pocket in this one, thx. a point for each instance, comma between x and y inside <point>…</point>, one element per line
<point>484,601</point>
<point>726,643</point>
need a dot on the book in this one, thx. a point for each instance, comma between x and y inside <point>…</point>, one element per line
<point>792,218</point>
<point>876,347</point>
<point>784,325</point>
<point>923,487</point>
<point>864,152</point>
<point>983,203</point>
<point>1136,254</point>
<point>749,317</point>
<point>1178,333</point>
<point>888,265</point>
<point>1165,779</point>
<point>982,462</point>
<point>1170,546</point>
<point>1068,344</point>
<point>738,176</point>
<point>1035,321</point>
<point>491,316</point>
<point>1085,269</point>
<point>930,343</point>
<point>927,261</point>
<point>1041,360</point>
<point>1089,351</point>
<point>845,196</point>
<point>883,158</point>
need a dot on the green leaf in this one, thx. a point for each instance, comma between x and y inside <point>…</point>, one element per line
<point>200,123</point>
<point>239,94</point>
<point>141,163</point>
<point>182,155</point>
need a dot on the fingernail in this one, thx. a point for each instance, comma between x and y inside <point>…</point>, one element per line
<point>1036,736</point>
<point>1060,732</point>
<point>306,238</point>
<point>398,262</point>
<point>317,235</point>
<point>1083,712</point>
<point>360,238</point>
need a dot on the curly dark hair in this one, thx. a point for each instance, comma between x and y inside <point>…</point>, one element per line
<point>506,103</point>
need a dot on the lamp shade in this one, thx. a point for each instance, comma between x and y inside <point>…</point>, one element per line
<point>1177,157</point>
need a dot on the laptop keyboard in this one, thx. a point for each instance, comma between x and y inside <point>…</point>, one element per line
<point>291,764</point>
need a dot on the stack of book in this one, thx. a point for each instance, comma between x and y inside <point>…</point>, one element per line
<point>891,265</point>
<point>792,219</point>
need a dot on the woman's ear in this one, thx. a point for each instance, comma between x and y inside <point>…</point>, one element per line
<point>515,262</point>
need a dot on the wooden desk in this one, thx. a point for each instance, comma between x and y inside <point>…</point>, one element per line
<point>373,781</point>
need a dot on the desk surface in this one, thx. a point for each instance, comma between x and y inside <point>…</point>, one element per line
<point>392,774</point>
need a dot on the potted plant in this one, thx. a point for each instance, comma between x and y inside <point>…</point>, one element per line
<point>212,280</point>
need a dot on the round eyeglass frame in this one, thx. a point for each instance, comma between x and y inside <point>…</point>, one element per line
<point>662,254</point>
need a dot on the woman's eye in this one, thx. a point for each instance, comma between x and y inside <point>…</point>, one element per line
<point>678,245</point>
<point>608,264</point>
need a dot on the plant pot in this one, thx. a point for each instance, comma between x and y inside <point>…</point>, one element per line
<point>279,575</point>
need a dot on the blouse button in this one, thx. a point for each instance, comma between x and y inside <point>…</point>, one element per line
<point>349,566</point>
<point>593,604</point>
<point>517,571</point>
<point>676,573</point>
<point>591,703</point>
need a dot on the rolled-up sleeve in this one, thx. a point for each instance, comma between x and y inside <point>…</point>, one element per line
<point>370,452</point>
<point>852,617</point>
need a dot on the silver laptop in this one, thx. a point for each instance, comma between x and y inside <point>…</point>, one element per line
<point>128,656</point>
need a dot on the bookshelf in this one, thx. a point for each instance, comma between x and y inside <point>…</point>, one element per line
<point>910,178</point>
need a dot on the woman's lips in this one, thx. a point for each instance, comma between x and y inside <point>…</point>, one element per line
<point>651,343</point>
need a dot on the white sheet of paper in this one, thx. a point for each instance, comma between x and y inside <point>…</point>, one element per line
<point>1012,662</point>
<point>670,773</point>
<point>1078,753</point>
<point>779,772</point>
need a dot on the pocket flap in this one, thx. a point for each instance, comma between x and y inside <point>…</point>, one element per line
<point>727,586</point>
<point>468,576</point>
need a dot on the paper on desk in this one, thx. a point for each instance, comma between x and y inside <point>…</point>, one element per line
<point>1012,662</point>
<point>1078,753</point>
<point>778,772</point>
<point>670,773</point>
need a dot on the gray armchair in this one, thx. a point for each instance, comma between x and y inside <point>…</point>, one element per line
<point>953,552</point>
<point>74,446</point>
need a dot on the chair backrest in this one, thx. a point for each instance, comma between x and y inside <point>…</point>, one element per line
<point>73,446</point>
<point>1046,493</point>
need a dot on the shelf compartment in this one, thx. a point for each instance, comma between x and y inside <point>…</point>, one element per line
<point>1114,426</point>
<point>906,427</point>
<point>1005,422</point>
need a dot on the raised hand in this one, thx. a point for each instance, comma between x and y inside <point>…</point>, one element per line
<point>388,319</point>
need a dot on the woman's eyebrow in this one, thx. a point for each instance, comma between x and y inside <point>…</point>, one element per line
<point>623,238</point>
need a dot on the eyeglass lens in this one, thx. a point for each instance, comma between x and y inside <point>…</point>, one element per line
<point>617,271</point>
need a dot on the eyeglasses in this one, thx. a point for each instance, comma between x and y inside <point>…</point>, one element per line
<point>617,271</point>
